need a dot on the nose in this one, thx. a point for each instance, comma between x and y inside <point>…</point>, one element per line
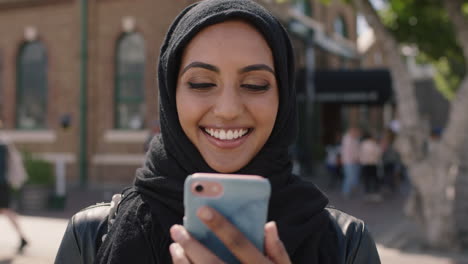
<point>229,104</point>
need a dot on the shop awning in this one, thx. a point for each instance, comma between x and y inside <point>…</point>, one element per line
<point>370,86</point>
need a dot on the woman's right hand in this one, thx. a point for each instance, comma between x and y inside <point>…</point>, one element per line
<point>187,249</point>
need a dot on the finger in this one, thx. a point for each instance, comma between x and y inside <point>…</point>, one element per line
<point>231,237</point>
<point>196,252</point>
<point>178,254</point>
<point>274,248</point>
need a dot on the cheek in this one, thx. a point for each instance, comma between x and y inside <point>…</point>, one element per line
<point>190,109</point>
<point>265,111</point>
<point>183,110</point>
<point>270,118</point>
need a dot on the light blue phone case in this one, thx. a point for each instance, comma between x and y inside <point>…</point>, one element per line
<point>244,203</point>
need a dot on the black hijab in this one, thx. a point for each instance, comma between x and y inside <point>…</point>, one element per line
<point>296,206</point>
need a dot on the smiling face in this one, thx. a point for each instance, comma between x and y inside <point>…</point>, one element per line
<point>227,95</point>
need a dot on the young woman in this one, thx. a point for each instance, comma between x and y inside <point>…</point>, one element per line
<point>12,174</point>
<point>227,104</point>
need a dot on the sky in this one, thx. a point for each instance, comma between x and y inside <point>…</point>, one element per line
<point>379,4</point>
<point>362,25</point>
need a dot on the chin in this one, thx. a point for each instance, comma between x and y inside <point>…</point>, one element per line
<point>225,168</point>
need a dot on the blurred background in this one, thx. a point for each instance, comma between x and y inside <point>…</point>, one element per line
<point>79,100</point>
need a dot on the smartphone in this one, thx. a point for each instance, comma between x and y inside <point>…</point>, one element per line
<point>242,199</point>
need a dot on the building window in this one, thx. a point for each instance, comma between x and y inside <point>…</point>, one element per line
<point>130,83</point>
<point>303,6</point>
<point>344,63</point>
<point>31,103</point>
<point>339,26</point>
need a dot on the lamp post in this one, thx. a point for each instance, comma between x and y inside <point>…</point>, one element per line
<point>83,164</point>
<point>310,100</point>
<point>305,143</point>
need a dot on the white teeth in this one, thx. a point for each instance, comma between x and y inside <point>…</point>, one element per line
<point>229,135</point>
<point>222,135</point>
<point>226,134</point>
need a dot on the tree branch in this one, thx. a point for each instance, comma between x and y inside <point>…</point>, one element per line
<point>460,23</point>
<point>458,120</point>
<point>412,130</point>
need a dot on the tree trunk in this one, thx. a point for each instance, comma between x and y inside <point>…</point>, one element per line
<point>433,174</point>
<point>412,129</point>
<point>455,132</point>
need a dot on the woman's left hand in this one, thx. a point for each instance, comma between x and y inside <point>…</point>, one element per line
<point>187,249</point>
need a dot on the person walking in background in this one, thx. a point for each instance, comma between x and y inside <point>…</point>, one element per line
<point>369,157</point>
<point>433,140</point>
<point>350,160</point>
<point>333,161</point>
<point>12,173</point>
<point>391,163</point>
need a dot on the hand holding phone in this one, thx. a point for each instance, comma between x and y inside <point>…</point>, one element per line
<point>241,199</point>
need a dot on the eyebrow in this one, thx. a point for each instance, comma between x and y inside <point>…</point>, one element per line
<point>197,64</point>
<point>210,67</point>
<point>257,67</point>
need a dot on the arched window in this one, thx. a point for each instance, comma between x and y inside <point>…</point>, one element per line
<point>31,92</point>
<point>130,82</point>
<point>339,26</point>
<point>305,8</point>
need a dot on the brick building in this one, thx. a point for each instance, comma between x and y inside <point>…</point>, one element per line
<point>41,56</point>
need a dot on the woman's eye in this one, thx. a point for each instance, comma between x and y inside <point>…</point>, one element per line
<point>256,87</point>
<point>201,85</point>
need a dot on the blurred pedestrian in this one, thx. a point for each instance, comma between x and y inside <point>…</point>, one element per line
<point>350,160</point>
<point>434,139</point>
<point>369,157</point>
<point>333,161</point>
<point>12,174</point>
<point>391,163</point>
<point>395,126</point>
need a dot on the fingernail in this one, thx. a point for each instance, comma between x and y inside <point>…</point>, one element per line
<point>205,214</point>
<point>176,250</point>
<point>274,229</point>
<point>179,233</point>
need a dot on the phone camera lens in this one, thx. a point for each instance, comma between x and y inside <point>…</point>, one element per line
<point>199,188</point>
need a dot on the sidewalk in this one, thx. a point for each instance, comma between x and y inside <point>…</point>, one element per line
<point>398,239</point>
<point>45,229</point>
<point>43,234</point>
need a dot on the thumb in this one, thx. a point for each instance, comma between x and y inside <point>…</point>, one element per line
<point>274,248</point>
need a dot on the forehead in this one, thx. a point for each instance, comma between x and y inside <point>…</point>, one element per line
<point>229,39</point>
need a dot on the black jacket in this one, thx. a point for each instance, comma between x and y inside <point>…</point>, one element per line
<point>86,229</point>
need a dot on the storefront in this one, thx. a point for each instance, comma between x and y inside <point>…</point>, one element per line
<point>341,98</point>
<point>351,97</point>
